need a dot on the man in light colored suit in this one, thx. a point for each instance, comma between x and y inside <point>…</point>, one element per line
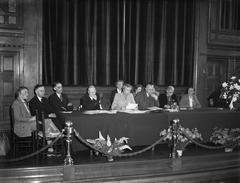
<point>24,124</point>
<point>189,100</point>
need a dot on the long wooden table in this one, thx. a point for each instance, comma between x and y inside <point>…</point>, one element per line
<point>144,129</point>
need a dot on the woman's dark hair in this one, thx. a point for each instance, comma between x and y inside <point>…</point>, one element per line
<point>137,86</point>
<point>21,88</point>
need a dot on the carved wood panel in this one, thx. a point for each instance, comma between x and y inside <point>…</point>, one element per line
<point>224,22</point>
<point>10,13</point>
<point>217,72</point>
<point>220,69</point>
<point>9,81</point>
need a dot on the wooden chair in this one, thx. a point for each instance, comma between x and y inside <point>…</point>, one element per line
<point>20,144</point>
<point>41,138</point>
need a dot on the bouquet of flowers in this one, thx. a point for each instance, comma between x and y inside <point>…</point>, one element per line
<point>230,90</point>
<point>182,140</point>
<point>109,148</point>
<point>230,138</point>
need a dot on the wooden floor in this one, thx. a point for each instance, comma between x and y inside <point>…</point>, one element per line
<point>197,165</point>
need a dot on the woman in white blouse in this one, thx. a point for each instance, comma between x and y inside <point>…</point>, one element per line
<point>122,100</point>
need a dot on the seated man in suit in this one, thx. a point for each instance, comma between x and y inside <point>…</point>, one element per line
<point>119,89</point>
<point>41,104</point>
<point>189,100</point>
<point>214,100</point>
<point>58,100</point>
<point>91,100</point>
<point>147,98</point>
<point>168,99</point>
<point>24,123</point>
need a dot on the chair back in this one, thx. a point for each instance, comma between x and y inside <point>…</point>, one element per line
<point>40,126</point>
<point>12,121</point>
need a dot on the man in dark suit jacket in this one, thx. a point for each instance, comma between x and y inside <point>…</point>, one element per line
<point>147,98</point>
<point>118,89</point>
<point>167,99</point>
<point>214,100</point>
<point>91,100</point>
<point>58,100</point>
<point>40,103</point>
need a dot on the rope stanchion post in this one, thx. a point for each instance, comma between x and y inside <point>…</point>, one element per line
<point>175,127</point>
<point>68,134</point>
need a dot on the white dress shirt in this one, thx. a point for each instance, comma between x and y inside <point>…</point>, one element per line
<point>40,99</point>
<point>119,91</point>
<point>59,96</point>
<point>190,101</point>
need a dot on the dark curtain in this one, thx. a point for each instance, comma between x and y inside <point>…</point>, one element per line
<point>100,41</point>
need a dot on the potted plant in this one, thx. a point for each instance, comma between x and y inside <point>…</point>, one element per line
<point>108,148</point>
<point>181,140</point>
<point>230,138</point>
<point>230,91</point>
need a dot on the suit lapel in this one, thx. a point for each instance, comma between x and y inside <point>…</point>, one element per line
<point>58,99</point>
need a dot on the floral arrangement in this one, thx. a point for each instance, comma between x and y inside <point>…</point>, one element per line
<point>107,147</point>
<point>230,138</point>
<point>182,140</point>
<point>230,90</point>
<point>173,108</point>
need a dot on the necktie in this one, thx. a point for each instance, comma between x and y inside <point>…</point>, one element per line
<point>61,98</point>
<point>26,106</point>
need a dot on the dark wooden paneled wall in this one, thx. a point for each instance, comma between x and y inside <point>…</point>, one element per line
<point>21,44</point>
<point>217,47</point>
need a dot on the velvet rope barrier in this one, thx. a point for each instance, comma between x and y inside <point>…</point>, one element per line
<point>35,153</point>
<point>117,155</point>
<point>199,144</point>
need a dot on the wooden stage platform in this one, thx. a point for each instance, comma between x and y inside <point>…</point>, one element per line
<point>197,165</point>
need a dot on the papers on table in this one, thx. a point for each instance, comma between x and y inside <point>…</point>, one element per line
<point>66,112</point>
<point>134,111</point>
<point>115,111</point>
<point>131,106</point>
<point>183,108</point>
<point>100,112</point>
<point>155,108</point>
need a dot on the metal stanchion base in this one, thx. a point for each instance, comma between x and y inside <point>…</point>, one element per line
<point>68,161</point>
<point>68,173</point>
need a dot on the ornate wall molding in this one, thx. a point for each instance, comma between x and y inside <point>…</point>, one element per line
<point>217,35</point>
<point>11,14</point>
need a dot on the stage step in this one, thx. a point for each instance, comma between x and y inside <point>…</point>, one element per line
<point>220,167</point>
